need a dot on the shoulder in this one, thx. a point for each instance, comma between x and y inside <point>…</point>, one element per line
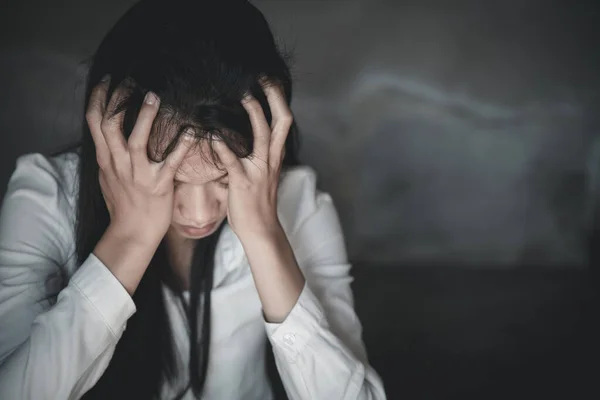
<point>49,181</point>
<point>299,198</point>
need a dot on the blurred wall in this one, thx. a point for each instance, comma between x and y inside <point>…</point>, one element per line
<point>456,132</point>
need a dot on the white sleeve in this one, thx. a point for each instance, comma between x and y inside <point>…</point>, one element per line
<point>60,350</point>
<point>318,348</point>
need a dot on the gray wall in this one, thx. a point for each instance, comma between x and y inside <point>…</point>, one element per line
<point>447,132</point>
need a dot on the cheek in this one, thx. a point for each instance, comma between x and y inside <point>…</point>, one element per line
<point>216,199</point>
<point>222,196</point>
<point>177,197</point>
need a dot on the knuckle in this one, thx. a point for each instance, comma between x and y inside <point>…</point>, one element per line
<point>170,164</point>
<point>164,182</point>
<point>103,163</point>
<point>119,173</point>
<point>286,119</point>
<point>136,147</point>
<point>246,184</point>
<point>106,125</point>
<point>144,178</point>
<point>122,171</point>
<point>139,180</point>
<point>91,116</point>
<point>283,123</point>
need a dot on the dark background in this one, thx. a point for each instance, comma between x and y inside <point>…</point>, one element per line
<point>459,140</point>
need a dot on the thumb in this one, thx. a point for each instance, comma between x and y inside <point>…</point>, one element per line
<point>105,192</point>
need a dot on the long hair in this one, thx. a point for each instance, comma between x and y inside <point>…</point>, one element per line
<point>200,57</point>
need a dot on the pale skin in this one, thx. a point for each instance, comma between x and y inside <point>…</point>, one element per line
<point>148,201</point>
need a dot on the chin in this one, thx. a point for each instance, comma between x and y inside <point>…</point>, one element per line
<point>187,236</point>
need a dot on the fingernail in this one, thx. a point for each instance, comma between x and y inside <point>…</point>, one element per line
<point>188,133</point>
<point>150,98</point>
<point>105,78</point>
<point>247,97</point>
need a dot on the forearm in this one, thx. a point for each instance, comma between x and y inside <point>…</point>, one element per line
<point>126,256</point>
<point>67,347</point>
<point>278,279</point>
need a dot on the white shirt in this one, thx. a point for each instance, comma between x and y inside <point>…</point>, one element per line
<point>59,349</point>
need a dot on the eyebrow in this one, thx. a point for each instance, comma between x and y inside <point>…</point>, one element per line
<point>218,178</point>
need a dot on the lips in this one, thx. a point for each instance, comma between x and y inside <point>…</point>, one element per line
<point>210,224</point>
<point>195,231</point>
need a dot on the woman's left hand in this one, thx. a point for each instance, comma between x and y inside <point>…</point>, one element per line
<point>253,181</point>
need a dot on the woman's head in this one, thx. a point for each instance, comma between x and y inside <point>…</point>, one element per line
<point>200,57</point>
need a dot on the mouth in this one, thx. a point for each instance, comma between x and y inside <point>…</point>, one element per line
<point>196,231</point>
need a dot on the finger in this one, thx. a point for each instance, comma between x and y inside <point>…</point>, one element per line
<point>260,127</point>
<point>175,158</point>
<point>281,122</point>
<point>111,126</point>
<point>93,116</point>
<point>228,158</point>
<point>138,141</point>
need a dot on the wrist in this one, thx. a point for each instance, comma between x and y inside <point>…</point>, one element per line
<point>135,236</point>
<point>261,239</point>
<point>125,256</point>
<point>269,238</point>
<point>265,230</point>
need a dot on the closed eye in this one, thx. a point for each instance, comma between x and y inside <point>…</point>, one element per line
<point>223,182</point>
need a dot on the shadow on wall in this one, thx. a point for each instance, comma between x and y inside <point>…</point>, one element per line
<point>443,176</point>
<point>424,174</point>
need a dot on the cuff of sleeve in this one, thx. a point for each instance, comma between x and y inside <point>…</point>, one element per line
<point>301,324</point>
<point>105,293</point>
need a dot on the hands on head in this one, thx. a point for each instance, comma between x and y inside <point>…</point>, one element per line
<point>139,192</point>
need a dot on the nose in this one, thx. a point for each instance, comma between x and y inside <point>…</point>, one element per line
<point>198,206</point>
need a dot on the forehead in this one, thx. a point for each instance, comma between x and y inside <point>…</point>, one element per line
<point>198,167</point>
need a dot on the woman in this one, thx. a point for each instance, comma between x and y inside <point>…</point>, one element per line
<point>157,257</point>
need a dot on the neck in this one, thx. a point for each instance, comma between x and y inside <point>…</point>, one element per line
<point>180,252</point>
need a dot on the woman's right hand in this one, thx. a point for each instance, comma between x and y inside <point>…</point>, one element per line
<point>138,192</point>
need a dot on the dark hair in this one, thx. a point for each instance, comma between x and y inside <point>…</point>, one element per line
<point>200,57</point>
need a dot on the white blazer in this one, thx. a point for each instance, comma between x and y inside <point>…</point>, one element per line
<point>58,348</point>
